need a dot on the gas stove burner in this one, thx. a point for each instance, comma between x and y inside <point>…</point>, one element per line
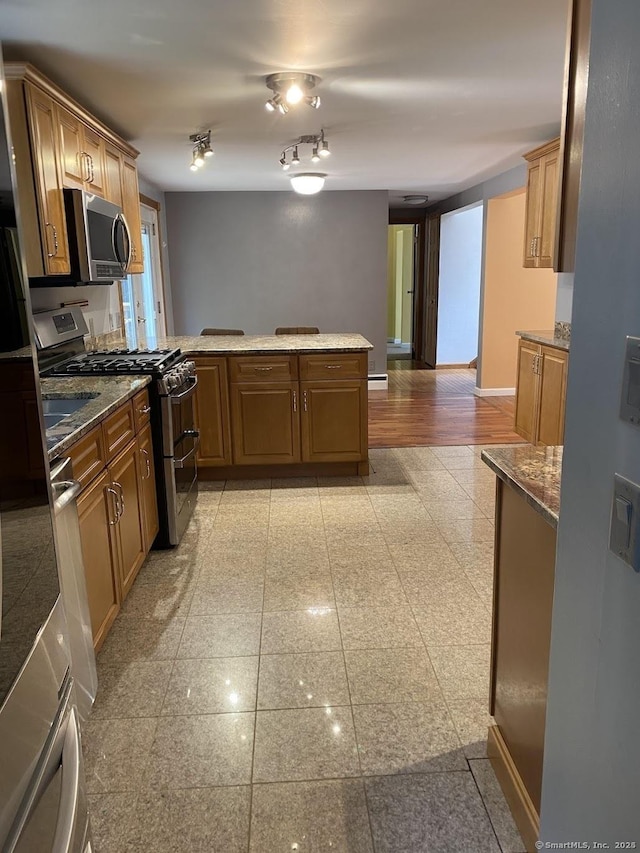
<point>120,362</point>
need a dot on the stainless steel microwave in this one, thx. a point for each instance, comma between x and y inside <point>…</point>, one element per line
<point>99,242</point>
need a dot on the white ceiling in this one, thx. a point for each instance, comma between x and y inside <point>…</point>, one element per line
<point>418,96</point>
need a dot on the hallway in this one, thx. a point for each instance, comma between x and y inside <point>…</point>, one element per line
<point>308,671</point>
<point>437,407</point>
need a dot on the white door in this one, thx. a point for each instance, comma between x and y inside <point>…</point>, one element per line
<point>143,295</point>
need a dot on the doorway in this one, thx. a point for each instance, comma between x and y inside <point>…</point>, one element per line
<point>143,295</point>
<point>401,270</point>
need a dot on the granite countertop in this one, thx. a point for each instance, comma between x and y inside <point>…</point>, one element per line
<point>534,472</point>
<point>548,338</point>
<point>103,394</point>
<point>228,344</point>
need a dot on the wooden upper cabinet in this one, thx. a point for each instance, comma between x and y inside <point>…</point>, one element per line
<point>334,421</point>
<point>112,174</point>
<point>131,208</point>
<point>542,202</point>
<point>212,412</point>
<point>82,152</point>
<point>48,189</point>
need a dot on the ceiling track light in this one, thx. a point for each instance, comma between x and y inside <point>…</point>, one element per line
<point>290,88</point>
<point>202,149</point>
<point>320,149</point>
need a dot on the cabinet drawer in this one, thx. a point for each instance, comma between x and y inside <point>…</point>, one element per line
<point>334,366</point>
<point>141,409</point>
<point>118,430</point>
<point>88,456</point>
<point>277,368</point>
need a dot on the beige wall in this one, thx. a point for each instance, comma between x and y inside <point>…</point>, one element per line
<point>515,298</point>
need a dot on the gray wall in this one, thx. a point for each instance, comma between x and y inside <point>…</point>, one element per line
<point>591,785</point>
<point>257,260</point>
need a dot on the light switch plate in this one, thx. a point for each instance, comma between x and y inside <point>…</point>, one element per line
<point>624,536</point>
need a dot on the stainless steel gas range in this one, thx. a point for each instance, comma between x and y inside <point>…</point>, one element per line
<point>61,352</point>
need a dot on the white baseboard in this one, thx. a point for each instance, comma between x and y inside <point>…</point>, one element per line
<point>379,382</point>
<point>494,392</point>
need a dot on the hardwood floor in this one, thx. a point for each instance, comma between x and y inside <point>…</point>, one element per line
<point>437,407</point>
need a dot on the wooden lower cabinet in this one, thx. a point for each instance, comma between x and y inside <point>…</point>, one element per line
<point>541,393</point>
<point>334,421</point>
<point>212,412</point>
<point>118,514</point>
<point>521,637</point>
<point>126,480</point>
<point>147,488</point>
<point>265,423</point>
<point>96,514</point>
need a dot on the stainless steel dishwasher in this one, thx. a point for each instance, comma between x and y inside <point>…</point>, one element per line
<point>73,586</point>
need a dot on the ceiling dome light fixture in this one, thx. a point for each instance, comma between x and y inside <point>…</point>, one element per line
<point>202,149</point>
<point>290,88</point>
<point>320,148</point>
<point>415,199</point>
<point>307,183</point>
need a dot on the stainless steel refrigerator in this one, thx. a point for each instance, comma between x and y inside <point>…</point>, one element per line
<point>42,653</point>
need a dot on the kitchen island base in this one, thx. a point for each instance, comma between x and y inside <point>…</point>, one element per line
<point>524,813</point>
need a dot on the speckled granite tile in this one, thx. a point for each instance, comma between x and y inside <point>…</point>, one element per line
<point>112,817</point>
<point>462,671</point>
<point>310,680</point>
<point>499,812</point>
<point>222,635</point>
<point>310,743</point>
<point>437,811</point>
<point>198,751</point>
<point>416,737</point>
<point>327,815</point>
<point>116,753</point>
<point>131,689</point>
<point>533,472</point>
<point>135,639</point>
<point>472,719</point>
<point>292,593</point>
<point>390,675</point>
<point>196,820</point>
<point>378,628</point>
<point>212,686</point>
<point>311,630</point>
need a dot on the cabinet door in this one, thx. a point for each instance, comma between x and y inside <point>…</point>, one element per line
<point>125,479</point>
<point>553,386</point>
<point>532,214</point>
<point>265,423</point>
<point>44,144</point>
<point>527,391</point>
<point>93,147</point>
<point>212,412</point>
<point>131,208</point>
<point>75,167</point>
<point>96,514</point>
<point>112,176</point>
<point>147,487</point>
<point>334,421</point>
<point>548,209</point>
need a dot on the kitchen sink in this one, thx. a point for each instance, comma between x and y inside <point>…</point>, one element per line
<point>57,409</point>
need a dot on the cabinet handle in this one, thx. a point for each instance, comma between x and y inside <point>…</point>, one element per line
<point>113,492</point>
<point>85,160</point>
<point>120,498</point>
<point>305,401</point>
<point>295,401</point>
<point>146,459</point>
<point>92,172</point>
<point>55,240</point>
<point>263,369</point>
<point>537,247</point>
<point>531,245</point>
<point>144,410</point>
<point>333,366</point>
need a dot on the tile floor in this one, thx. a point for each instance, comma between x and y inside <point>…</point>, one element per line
<point>308,672</point>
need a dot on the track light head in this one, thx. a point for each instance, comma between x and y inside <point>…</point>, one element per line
<point>294,94</point>
<point>313,101</point>
<point>315,157</point>
<point>295,159</point>
<point>283,108</point>
<point>271,105</point>
<point>290,88</point>
<point>201,149</point>
<point>324,149</point>
<point>283,162</point>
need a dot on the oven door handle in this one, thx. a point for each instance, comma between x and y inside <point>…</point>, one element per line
<point>178,398</point>
<point>192,433</point>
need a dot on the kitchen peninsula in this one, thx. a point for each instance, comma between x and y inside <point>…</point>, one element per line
<point>527,507</point>
<point>279,405</point>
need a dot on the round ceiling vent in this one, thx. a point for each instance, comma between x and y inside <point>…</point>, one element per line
<point>415,199</point>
